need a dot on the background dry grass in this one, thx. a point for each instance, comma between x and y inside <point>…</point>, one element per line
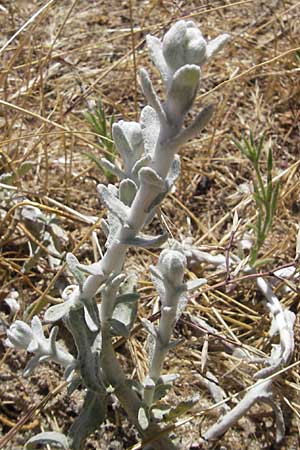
<point>57,56</point>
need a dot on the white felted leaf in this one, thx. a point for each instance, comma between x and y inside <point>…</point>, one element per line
<point>157,280</point>
<point>159,412</point>
<point>118,328</point>
<point>155,51</point>
<point>144,161</point>
<point>182,302</point>
<point>57,312</point>
<point>93,413</point>
<point>184,44</point>
<point>37,328</point>
<point>125,313</point>
<point>195,284</point>
<point>174,172</point>
<point>31,213</point>
<point>73,385</point>
<point>105,227</point>
<point>122,144</point>
<point>58,440</point>
<point>168,378</point>
<point>182,92</point>
<point>150,129</point>
<point>143,418</point>
<point>173,45</point>
<point>196,47</point>
<point>126,309</point>
<point>129,142</point>
<point>114,225</point>
<point>111,286</point>
<point>52,339</point>
<point>68,373</point>
<point>151,96</point>
<point>31,365</point>
<point>127,298</point>
<point>286,272</point>
<point>116,280</point>
<point>133,133</point>
<point>120,140</point>
<point>215,45</point>
<point>113,190</point>
<point>149,383</point>
<point>113,168</point>
<point>127,191</point>
<point>149,176</point>
<point>89,318</point>
<point>20,334</point>
<point>172,264</point>
<point>91,269</point>
<point>147,241</point>
<point>73,264</point>
<point>115,205</point>
<point>149,327</point>
<point>194,129</point>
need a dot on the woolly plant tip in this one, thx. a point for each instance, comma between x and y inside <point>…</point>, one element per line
<point>19,335</point>
<point>172,264</point>
<point>184,44</point>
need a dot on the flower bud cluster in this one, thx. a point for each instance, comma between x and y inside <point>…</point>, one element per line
<point>183,45</point>
<point>32,339</point>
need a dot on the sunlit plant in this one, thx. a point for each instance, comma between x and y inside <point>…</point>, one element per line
<point>150,167</point>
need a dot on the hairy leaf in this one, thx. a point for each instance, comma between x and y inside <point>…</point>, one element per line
<point>93,413</point>
<point>144,161</point>
<point>57,312</point>
<point>127,191</point>
<point>118,328</point>
<point>150,129</point>
<point>182,92</point>
<point>73,264</point>
<point>152,97</point>
<point>125,312</point>
<point>149,327</point>
<point>115,205</point>
<point>143,418</point>
<point>111,167</point>
<point>145,241</point>
<point>149,176</point>
<point>155,50</point>
<point>51,437</point>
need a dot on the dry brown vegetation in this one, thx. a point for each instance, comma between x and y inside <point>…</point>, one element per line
<point>58,56</point>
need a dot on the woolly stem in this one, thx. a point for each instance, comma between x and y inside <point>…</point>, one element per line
<point>169,275</point>
<point>128,398</point>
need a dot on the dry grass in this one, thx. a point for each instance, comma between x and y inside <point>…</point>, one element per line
<point>58,55</point>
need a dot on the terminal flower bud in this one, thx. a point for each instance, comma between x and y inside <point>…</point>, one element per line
<point>171,265</point>
<point>184,44</point>
<point>19,335</point>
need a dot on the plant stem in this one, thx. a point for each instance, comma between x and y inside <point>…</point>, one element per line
<point>128,398</point>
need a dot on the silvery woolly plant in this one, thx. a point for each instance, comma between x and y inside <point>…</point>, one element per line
<point>150,167</point>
